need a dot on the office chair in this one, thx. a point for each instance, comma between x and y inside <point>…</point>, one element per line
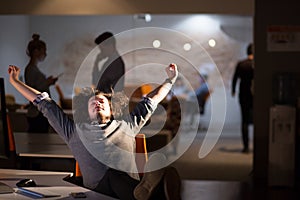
<point>142,153</point>
<point>12,160</point>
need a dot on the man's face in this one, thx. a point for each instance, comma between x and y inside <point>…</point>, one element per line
<point>99,108</point>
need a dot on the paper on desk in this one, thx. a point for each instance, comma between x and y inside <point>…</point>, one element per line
<point>59,191</point>
<point>39,192</point>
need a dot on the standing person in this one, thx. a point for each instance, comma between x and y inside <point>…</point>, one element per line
<point>245,72</point>
<point>111,74</point>
<point>102,138</point>
<point>36,50</point>
<point>198,98</point>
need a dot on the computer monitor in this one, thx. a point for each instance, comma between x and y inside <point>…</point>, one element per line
<point>4,140</point>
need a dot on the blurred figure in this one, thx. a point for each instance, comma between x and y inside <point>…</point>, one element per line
<point>244,72</point>
<point>111,74</point>
<point>198,98</point>
<point>201,94</point>
<point>36,50</point>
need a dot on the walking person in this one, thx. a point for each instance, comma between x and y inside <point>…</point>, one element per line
<point>244,72</point>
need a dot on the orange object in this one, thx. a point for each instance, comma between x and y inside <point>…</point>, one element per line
<point>77,170</point>
<point>141,156</point>
<point>11,139</point>
<point>145,89</point>
<point>141,153</point>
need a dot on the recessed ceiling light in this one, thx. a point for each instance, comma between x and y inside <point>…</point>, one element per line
<point>212,43</point>
<point>156,43</point>
<point>187,46</point>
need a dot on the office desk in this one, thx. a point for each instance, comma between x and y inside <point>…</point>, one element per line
<point>41,145</point>
<point>20,116</point>
<point>28,147</point>
<point>43,152</point>
<point>50,181</point>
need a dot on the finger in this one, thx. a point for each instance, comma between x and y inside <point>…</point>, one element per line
<point>10,68</point>
<point>13,68</point>
<point>172,66</point>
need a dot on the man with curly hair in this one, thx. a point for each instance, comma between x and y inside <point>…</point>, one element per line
<point>102,138</point>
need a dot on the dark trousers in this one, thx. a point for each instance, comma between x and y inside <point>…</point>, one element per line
<point>246,121</point>
<point>246,103</point>
<point>120,185</point>
<point>117,184</point>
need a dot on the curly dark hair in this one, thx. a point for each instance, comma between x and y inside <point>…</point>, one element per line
<point>118,103</point>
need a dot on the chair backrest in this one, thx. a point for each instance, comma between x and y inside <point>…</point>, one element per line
<point>77,170</point>
<point>11,162</point>
<point>145,89</point>
<point>142,153</point>
<point>12,146</point>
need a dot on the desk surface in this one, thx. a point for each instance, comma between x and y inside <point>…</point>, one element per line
<point>50,181</point>
<point>29,144</point>
<point>41,145</point>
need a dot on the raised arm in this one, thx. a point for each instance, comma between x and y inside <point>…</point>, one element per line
<point>28,92</point>
<point>162,91</point>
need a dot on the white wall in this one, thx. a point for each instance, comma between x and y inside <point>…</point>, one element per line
<point>70,39</point>
<point>13,40</point>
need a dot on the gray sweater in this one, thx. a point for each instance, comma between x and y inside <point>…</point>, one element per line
<point>98,149</point>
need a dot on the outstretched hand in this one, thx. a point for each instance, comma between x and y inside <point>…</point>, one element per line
<point>14,72</point>
<point>28,92</point>
<point>172,72</point>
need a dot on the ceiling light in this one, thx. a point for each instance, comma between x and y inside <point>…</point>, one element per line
<point>212,43</point>
<point>156,43</point>
<point>187,46</point>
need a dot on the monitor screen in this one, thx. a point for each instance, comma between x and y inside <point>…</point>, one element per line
<point>4,142</point>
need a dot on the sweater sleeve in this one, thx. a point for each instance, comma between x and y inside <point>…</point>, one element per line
<point>142,112</point>
<point>60,121</point>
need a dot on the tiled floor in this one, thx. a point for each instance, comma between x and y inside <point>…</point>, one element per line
<point>225,173</point>
<point>224,162</point>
